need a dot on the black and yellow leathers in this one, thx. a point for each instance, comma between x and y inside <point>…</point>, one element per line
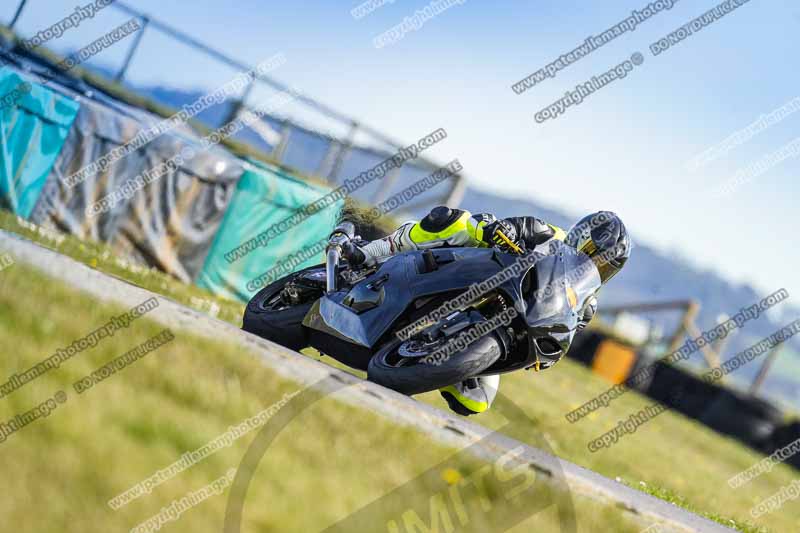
<point>444,227</point>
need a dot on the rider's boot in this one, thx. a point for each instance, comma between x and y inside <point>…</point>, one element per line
<point>472,396</point>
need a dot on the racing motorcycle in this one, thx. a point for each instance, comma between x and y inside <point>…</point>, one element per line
<point>369,318</point>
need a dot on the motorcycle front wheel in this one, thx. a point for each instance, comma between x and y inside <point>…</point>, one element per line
<point>401,366</point>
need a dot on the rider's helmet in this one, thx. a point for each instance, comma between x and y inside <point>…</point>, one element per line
<point>603,237</point>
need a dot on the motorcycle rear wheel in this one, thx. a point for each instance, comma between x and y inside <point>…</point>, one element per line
<point>271,319</point>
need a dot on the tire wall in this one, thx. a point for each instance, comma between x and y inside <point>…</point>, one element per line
<point>750,420</point>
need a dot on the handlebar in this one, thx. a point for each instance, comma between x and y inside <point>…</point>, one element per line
<point>346,229</point>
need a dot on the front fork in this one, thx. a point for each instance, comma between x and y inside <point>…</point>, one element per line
<point>332,268</point>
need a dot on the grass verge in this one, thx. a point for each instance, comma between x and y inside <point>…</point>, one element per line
<point>672,457</point>
<point>328,462</point>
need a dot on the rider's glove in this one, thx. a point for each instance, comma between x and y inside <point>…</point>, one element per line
<point>491,233</point>
<point>353,254</point>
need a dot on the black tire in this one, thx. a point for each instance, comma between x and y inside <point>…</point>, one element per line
<point>751,420</point>
<point>419,378</point>
<point>284,326</point>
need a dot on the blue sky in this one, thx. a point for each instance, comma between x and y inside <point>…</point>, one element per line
<point>624,148</point>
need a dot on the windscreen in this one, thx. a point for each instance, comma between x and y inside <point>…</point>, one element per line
<point>564,280</point>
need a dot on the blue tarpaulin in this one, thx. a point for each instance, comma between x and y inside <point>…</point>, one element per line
<point>34,122</point>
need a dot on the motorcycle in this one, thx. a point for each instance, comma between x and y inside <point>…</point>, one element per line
<point>379,318</point>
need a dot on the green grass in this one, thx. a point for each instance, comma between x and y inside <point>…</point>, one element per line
<point>330,460</point>
<point>680,501</point>
<point>677,459</point>
<point>671,457</point>
<point>101,257</point>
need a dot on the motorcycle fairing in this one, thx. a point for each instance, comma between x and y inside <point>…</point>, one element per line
<point>406,281</point>
<point>353,315</point>
<point>564,282</point>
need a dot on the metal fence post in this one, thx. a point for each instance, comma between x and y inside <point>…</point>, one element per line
<point>764,370</point>
<point>346,147</point>
<point>236,107</point>
<point>456,193</point>
<point>18,13</point>
<point>279,151</point>
<point>132,50</point>
<point>386,186</point>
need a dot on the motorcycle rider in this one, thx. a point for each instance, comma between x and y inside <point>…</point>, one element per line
<point>601,235</point>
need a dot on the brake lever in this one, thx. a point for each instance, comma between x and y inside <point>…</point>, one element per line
<point>511,244</point>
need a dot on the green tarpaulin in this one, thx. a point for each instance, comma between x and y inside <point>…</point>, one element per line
<point>265,195</point>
